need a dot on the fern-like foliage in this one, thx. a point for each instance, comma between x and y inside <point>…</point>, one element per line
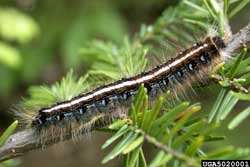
<point>175,133</point>
<point>66,89</point>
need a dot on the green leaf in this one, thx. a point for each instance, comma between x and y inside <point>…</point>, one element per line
<point>210,10</point>
<point>216,105</point>
<point>218,152</point>
<point>241,96</point>
<point>40,96</point>
<point>227,106</point>
<point>10,163</point>
<point>143,162</point>
<point>188,133</point>
<point>134,145</point>
<point>232,72</point>
<point>161,160</point>
<point>209,129</point>
<point>239,118</point>
<point>153,114</point>
<point>8,132</point>
<point>195,145</point>
<point>109,73</point>
<point>180,123</point>
<point>10,56</point>
<point>115,62</point>
<point>144,111</point>
<point>17,26</point>
<point>66,89</point>
<point>158,159</point>
<point>214,138</point>
<point>134,157</point>
<point>133,114</point>
<point>118,124</point>
<point>240,6</point>
<point>129,138</point>
<point>139,105</point>
<point>168,117</point>
<point>243,68</point>
<point>237,153</point>
<point>116,136</point>
<point>196,7</point>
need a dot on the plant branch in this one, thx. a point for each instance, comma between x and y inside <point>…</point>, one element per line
<point>165,148</point>
<point>217,78</point>
<point>25,141</point>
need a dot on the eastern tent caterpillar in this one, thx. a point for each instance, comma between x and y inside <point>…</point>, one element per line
<point>101,105</point>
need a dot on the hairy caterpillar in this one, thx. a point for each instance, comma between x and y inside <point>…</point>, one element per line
<point>98,107</point>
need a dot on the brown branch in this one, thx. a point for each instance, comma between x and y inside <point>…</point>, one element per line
<point>217,78</point>
<point>24,141</point>
<point>168,150</point>
<point>17,144</point>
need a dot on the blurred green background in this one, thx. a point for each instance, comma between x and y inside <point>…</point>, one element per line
<point>40,40</point>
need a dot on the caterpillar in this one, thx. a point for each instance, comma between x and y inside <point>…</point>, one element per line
<point>164,77</point>
<point>103,104</point>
